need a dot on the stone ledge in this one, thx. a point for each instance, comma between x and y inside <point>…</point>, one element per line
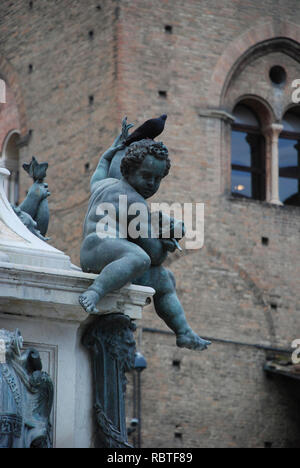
<point>51,294</point>
<point>220,114</point>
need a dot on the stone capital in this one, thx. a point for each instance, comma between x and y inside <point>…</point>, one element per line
<point>273,131</point>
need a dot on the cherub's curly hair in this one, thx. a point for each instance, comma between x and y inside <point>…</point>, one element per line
<point>137,152</point>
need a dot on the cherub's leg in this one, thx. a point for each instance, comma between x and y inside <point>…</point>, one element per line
<point>120,262</point>
<point>169,308</point>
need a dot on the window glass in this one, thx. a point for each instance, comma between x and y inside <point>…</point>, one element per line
<point>288,170</point>
<point>247,155</point>
<point>241,153</point>
<point>289,160</point>
<point>241,183</point>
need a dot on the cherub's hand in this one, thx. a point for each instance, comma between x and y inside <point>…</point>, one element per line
<point>169,245</point>
<point>124,134</point>
<point>177,228</point>
<point>119,147</point>
<point>125,128</point>
<point>109,154</point>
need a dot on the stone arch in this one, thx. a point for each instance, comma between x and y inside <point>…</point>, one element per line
<point>7,140</point>
<point>262,107</point>
<point>9,75</point>
<point>10,159</point>
<point>258,40</point>
<point>289,107</point>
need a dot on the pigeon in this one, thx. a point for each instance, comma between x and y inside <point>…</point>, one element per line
<point>149,129</point>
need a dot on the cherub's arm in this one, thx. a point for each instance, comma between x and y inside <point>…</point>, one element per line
<point>103,167</point>
<point>156,248</point>
<point>106,159</point>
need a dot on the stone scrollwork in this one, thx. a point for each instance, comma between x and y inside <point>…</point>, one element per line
<point>26,396</point>
<point>111,343</point>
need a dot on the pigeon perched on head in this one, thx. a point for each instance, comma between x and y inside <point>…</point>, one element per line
<point>149,129</point>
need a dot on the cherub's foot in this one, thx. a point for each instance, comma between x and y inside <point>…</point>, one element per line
<point>191,340</point>
<point>88,300</point>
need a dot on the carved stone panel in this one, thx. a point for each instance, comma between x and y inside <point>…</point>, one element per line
<point>26,396</point>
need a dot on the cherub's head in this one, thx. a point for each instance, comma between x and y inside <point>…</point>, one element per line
<point>144,165</point>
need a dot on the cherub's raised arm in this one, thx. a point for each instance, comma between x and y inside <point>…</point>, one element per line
<point>105,161</point>
<point>103,166</point>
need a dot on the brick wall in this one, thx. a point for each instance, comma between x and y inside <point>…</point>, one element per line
<point>9,116</point>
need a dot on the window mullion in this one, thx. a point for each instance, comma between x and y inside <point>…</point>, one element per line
<point>272,133</point>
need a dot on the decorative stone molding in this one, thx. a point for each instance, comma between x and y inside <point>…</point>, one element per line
<point>44,292</point>
<point>217,114</point>
<point>237,49</point>
<point>26,396</point>
<point>112,347</point>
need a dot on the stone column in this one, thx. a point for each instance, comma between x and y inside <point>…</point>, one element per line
<point>271,134</point>
<point>26,396</point>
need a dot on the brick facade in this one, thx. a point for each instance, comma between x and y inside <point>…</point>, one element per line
<point>75,69</point>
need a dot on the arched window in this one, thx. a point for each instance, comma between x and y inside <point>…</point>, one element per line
<point>247,155</point>
<point>289,158</point>
<point>10,160</point>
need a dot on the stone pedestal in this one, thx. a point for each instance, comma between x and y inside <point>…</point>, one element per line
<point>39,290</point>
<point>43,304</point>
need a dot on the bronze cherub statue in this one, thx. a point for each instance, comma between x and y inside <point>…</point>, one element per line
<point>118,257</point>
